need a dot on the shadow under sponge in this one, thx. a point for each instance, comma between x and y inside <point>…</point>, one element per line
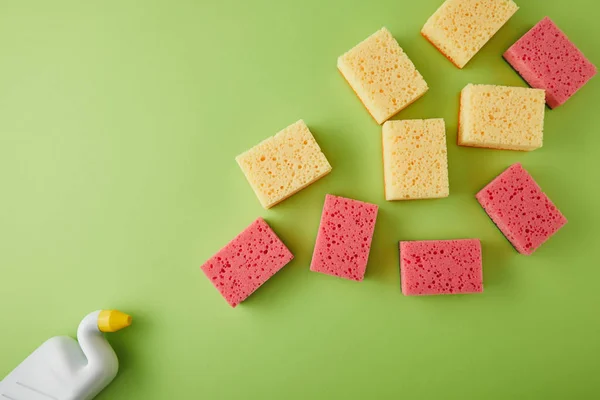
<point>520,209</point>
<point>344,238</point>
<point>431,267</point>
<point>248,261</point>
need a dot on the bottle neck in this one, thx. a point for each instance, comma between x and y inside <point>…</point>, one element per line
<point>95,347</point>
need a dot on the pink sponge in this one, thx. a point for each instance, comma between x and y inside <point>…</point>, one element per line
<point>520,209</point>
<point>547,59</point>
<point>247,262</point>
<point>441,267</point>
<point>344,238</point>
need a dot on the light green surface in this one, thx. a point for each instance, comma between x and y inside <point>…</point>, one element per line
<point>119,124</point>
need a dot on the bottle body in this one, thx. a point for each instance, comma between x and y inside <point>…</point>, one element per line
<point>65,369</point>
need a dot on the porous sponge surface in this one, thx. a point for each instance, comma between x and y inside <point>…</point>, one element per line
<point>441,267</point>
<point>547,59</point>
<point>247,262</point>
<point>415,159</point>
<point>501,117</point>
<point>460,28</point>
<point>283,164</point>
<point>344,238</point>
<point>517,205</point>
<point>382,75</point>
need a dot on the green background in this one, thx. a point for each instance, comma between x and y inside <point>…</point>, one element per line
<point>119,124</point>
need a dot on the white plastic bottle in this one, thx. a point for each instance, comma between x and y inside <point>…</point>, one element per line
<point>63,368</point>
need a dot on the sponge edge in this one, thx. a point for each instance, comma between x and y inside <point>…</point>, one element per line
<point>520,209</point>
<point>501,117</point>
<point>284,164</point>
<point>247,262</point>
<point>415,160</point>
<point>441,267</point>
<point>344,239</point>
<point>460,28</point>
<point>547,59</point>
<point>382,75</point>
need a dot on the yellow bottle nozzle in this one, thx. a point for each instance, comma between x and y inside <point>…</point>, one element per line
<point>113,320</point>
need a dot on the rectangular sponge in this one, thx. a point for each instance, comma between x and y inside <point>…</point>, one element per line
<point>344,238</point>
<point>441,267</point>
<point>382,75</point>
<point>501,117</point>
<point>460,28</point>
<point>547,59</point>
<point>520,209</point>
<point>283,164</point>
<point>415,159</point>
<point>247,262</point>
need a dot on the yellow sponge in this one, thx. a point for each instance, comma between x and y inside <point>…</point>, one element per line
<point>382,75</point>
<point>501,117</point>
<point>415,160</point>
<point>283,164</point>
<point>460,28</point>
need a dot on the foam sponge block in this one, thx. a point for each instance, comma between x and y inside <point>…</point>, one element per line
<point>547,59</point>
<point>382,75</point>
<point>460,28</point>
<point>441,267</point>
<point>283,164</point>
<point>520,209</point>
<point>344,238</point>
<point>247,262</point>
<point>501,117</point>
<point>415,160</point>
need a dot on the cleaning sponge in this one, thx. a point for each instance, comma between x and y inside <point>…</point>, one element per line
<point>415,160</point>
<point>460,28</point>
<point>382,75</point>
<point>247,262</point>
<point>501,117</point>
<point>547,59</point>
<point>344,238</point>
<point>283,164</point>
<point>441,267</point>
<point>520,209</point>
